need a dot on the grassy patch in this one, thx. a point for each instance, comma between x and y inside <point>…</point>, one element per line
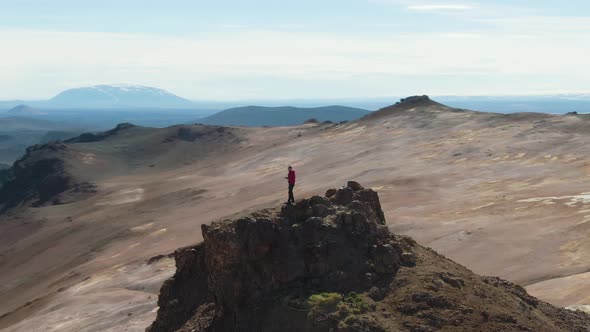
<point>324,301</point>
<point>346,309</point>
<point>357,304</point>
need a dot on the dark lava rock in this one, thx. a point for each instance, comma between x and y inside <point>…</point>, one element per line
<point>97,137</point>
<point>37,177</point>
<point>355,186</point>
<point>199,133</point>
<point>309,245</point>
<point>260,273</point>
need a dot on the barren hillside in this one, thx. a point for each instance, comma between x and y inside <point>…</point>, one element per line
<point>503,195</point>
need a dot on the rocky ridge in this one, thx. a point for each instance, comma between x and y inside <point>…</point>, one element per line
<point>97,137</point>
<point>37,177</point>
<point>420,103</point>
<point>329,263</point>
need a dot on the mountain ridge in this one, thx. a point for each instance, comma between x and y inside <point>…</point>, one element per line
<point>258,116</point>
<point>118,95</point>
<point>412,103</point>
<point>24,110</point>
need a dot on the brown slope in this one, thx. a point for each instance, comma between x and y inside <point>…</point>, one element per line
<point>422,112</point>
<point>43,249</point>
<point>53,173</point>
<point>464,183</point>
<point>329,264</point>
<point>89,257</point>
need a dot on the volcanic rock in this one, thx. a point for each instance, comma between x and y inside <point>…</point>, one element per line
<point>37,177</point>
<point>330,264</point>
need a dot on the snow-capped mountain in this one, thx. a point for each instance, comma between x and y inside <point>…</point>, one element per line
<point>120,95</point>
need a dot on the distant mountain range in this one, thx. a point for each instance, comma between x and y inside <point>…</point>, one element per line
<point>255,116</point>
<point>18,132</point>
<point>23,110</point>
<point>104,106</point>
<point>110,96</point>
<point>17,123</point>
<point>142,98</point>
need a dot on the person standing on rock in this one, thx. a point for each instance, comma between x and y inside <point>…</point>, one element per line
<point>291,179</point>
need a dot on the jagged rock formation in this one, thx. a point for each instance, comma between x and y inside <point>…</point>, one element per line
<point>97,137</point>
<point>414,100</point>
<point>202,132</point>
<point>330,264</point>
<point>41,177</point>
<point>419,103</point>
<point>37,177</point>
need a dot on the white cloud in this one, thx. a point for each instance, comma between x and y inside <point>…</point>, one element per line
<point>432,5</point>
<point>435,7</point>
<point>259,63</point>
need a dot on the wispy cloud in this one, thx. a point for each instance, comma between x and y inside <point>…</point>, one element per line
<point>431,6</point>
<point>503,55</point>
<point>439,7</point>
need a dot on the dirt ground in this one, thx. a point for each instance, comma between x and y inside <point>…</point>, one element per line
<point>504,195</point>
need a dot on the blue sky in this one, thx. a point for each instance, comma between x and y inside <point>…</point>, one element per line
<point>266,49</point>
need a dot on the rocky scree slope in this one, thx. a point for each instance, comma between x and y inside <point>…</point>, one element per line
<point>330,264</point>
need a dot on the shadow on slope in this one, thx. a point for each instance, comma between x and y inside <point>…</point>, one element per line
<point>63,172</point>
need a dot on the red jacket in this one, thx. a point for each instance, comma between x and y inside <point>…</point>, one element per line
<point>291,177</point>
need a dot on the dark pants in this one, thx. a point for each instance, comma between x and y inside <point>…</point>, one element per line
<point>291,197</point>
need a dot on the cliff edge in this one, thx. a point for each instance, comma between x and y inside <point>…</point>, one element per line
<point>330,264</point>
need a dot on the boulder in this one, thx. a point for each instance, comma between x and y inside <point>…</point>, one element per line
<point>331,192</point>
<point>355,186</point>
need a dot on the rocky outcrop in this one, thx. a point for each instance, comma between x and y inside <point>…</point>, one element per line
<point>202,132</point>
<point>41,177</point>
<point>414,103</point>
<point>329,263</point>
<point>97,137</point>
<point>414,100</point>
<point>37,177</point>
<point>333,244</point>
